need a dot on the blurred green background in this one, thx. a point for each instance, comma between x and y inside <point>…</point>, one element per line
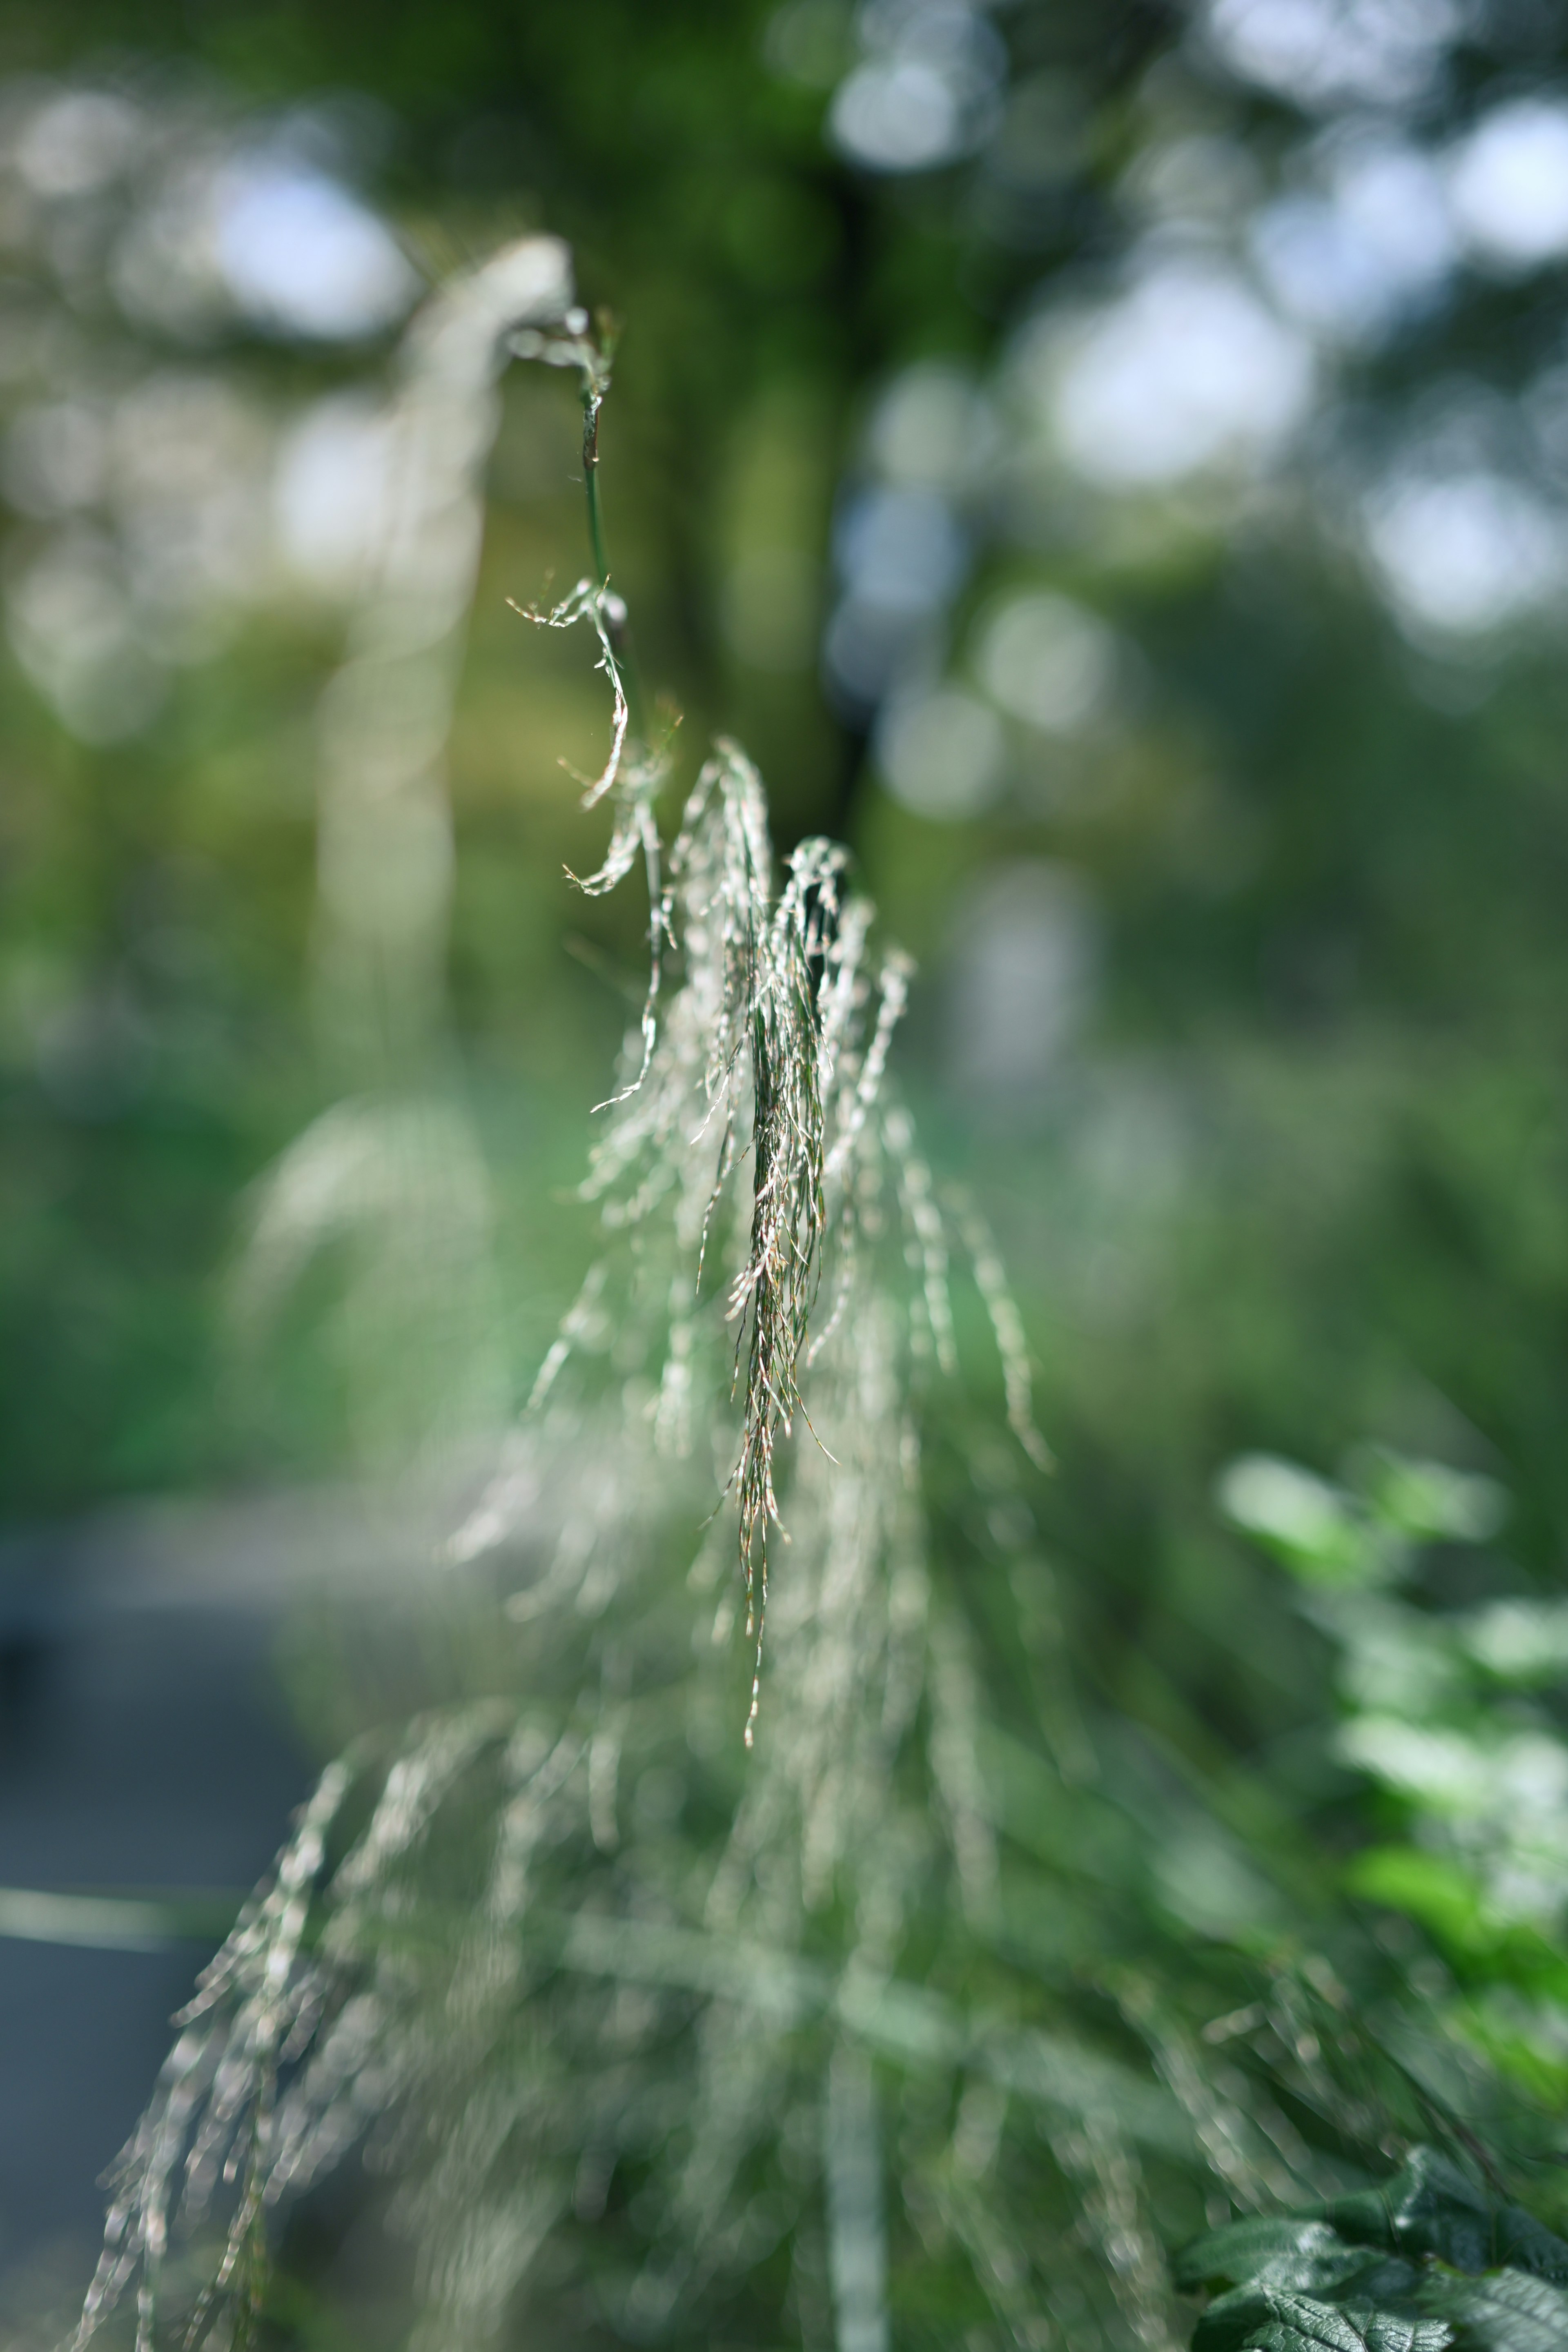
<point>1108,462</point>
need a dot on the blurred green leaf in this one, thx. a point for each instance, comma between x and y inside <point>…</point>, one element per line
<point>1315,1528</point>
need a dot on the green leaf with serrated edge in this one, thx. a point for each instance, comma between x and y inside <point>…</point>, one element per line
<point>1320,2323</point>
<point>1297,2252</point>
<point>1506,2310</point>
<point>1428,2208</point>
<point>1397,2331</point>
<point>1277,2336</point>
<point>1526,2244</point>
<point>1246,2250</point>
<point>1424,2260</point>
<point>1301,2324</point>
<point>1235,2320</point>
<point>1431,2208</point>
<point>1232,2320</point>
<point>1304,2324</point>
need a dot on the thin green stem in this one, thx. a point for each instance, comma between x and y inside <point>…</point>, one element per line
<point>592,401</point>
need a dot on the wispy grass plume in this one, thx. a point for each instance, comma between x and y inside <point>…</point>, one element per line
<point>687,1992</point>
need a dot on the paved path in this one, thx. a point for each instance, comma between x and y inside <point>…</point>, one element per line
<point>144,1744</point>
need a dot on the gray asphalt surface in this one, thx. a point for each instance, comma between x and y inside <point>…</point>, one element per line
<point>146,1743</point>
